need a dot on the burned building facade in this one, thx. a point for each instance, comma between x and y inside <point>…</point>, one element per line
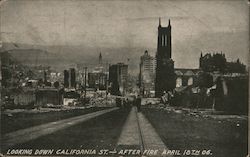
<point>217,62</point>
<point>186,77</point>
<point>97,80</point>
<point>47,96</point>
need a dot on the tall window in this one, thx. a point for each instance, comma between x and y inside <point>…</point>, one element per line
<point>178,82</point>
<point>190,81</point>
<point>162,40</point>
<point>166,40</point>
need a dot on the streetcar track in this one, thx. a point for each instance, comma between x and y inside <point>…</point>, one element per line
<point>145,130</point>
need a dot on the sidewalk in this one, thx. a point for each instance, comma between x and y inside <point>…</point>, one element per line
<point>130,132</point>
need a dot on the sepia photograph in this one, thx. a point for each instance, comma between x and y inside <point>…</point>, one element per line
<point>124,78</point>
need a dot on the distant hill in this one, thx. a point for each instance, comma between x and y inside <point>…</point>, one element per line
<point>64,56</point>
<point>32,56</point>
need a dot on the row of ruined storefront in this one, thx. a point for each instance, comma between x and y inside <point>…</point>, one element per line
<point>31,97</point>
<point>228,94</point>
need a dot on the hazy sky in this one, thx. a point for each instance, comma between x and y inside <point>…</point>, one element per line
<point>197,25</point>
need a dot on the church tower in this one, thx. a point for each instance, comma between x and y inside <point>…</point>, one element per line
<point>165,76</point>
<point>100,59</point>
<point>164,40</point>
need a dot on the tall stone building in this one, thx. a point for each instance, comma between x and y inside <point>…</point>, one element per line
<point>98,77</point>
<point>118,75</point>
<point>147,74</point>
<point>165,76</point>
<point>70,78</point>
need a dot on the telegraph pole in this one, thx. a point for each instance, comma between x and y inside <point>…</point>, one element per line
<point>107,83</point>
<point>85,83</point>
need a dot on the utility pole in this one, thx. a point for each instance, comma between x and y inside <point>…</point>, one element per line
<point>140,85</point>
<point>85,83</point>
<point>107,83</point>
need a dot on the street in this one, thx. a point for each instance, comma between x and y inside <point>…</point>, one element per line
<point>145,132</point>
